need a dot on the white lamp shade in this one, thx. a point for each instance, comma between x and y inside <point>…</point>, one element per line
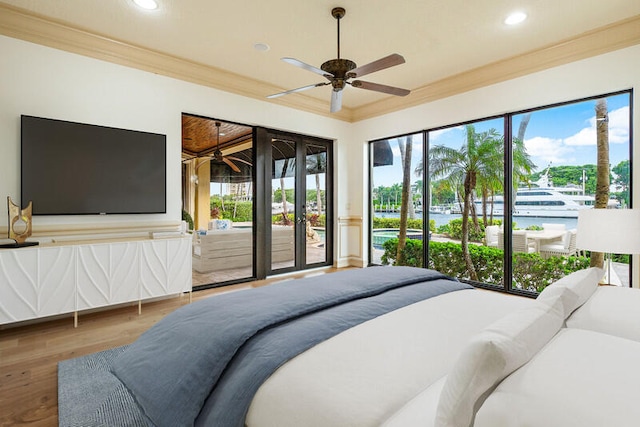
<point>615,231</point>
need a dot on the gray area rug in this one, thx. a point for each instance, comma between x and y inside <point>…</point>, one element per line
<point>90,396</point>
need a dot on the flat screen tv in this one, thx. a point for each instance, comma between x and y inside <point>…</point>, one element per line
<point>80,169</point>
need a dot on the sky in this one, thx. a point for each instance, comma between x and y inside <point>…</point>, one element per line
<point>555,136</point>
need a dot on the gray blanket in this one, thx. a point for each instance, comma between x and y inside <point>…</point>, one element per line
<point>198,365</point>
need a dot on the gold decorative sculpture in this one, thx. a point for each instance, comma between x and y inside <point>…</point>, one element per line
<point>19,222</point>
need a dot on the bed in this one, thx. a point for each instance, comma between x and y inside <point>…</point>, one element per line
<point>392,346</point>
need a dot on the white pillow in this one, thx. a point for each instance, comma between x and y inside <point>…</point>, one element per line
<point>581,378</point>
<point>581,283</point>
<point>568,298</point>
<point>611,310</point>
<point>494,353</point>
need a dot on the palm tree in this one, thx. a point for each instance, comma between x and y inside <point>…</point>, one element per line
<point>317,164</point>
<point>521,168</point>
<point>491,180</point>
<point>602,177</point>
<point>416,188</point>
<point>475,159</point>
<point>395,190</point>
<point>405,145</point>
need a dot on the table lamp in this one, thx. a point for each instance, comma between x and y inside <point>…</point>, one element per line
<point>610,231</point>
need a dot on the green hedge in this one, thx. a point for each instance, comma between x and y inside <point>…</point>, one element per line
<point>244,210</point>
<point>530,271</point>
<point>454,229</point>
<point>395,223</point>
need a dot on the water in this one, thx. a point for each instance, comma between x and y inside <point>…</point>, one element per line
<point>520,221</point>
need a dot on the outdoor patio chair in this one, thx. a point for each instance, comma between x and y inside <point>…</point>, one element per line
<point>566,247</point>
<point>491,235</point>
<point>553,226</point>
<point>519,242</point>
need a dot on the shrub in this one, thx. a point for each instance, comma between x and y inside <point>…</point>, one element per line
<point>530,271</point>
<point>279,219</point>
<point>412,252</point>
<point>395,223</point>
<point>243,210</point>
<point>186,216</point>
<point>454,229</point>
<point>316,220</point>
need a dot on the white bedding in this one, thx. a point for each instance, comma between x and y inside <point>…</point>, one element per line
<point>398,370</point>
<point>611,310</point>
<point>387,371</point>
<point>581,378</point>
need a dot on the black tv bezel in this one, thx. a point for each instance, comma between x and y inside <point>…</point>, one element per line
<point>109,212</point>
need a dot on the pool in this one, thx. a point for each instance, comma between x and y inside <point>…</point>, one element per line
<point>381,235</point>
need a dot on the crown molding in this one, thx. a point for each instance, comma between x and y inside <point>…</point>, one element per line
<point>605,39</point>
<point>20,24</point>
<point>24,25</point>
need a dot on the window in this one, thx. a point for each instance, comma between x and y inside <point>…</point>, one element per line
<point>544,170</point>
<point>394,161</point>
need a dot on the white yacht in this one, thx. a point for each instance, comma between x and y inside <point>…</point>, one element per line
<point>440,210</point>
<point>542,199</point>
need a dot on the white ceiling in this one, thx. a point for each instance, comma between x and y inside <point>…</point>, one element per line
<point>438,38</point>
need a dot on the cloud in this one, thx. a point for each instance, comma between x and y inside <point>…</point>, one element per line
<point>545,150</point>
<point>416,145</point>
<point>436,134</point>
<point>618,130</point>
<point>619,126</point>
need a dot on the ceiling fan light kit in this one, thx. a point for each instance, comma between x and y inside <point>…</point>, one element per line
<point>339,71</point>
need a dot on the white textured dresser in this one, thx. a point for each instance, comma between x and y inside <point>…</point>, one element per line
<point>60,278</point>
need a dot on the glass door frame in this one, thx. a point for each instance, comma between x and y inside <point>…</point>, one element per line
<point>264,174</point>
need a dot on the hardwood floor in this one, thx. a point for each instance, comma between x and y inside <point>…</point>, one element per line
<point>29,354</point>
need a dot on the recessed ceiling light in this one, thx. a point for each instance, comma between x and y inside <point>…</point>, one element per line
<point>261,47</point>
<point>146,4</point>
<point>515,18</point>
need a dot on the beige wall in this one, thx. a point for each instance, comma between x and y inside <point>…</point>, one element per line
<point>46,82</point>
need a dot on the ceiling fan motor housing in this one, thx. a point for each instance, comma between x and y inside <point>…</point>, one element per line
<point>338,69</point>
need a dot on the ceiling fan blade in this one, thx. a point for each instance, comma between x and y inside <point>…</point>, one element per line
<point>239,160</point>
<point>380,64</point>
<point>336,101</point>
<point>305,66</point>
<point>300,89</point>
<point>380,88</point>
<point>231,164</point>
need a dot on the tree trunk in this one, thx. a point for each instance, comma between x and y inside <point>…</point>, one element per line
<point>318,195</point>
<point>283,195</point>
<point>602,180</point>
<point>493,196</point>
<point>485,201</point>
<point>469,184</point>
<point>474,213</point>
<point>521,131</point>
<point>405,153</point>
<point>221,198</point>
<point>523,126</point>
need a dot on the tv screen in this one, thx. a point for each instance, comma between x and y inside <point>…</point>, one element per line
<point>74,168</point>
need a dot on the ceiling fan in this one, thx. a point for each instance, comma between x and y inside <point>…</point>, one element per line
<point>217,155</point>
<point>339,71</point>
